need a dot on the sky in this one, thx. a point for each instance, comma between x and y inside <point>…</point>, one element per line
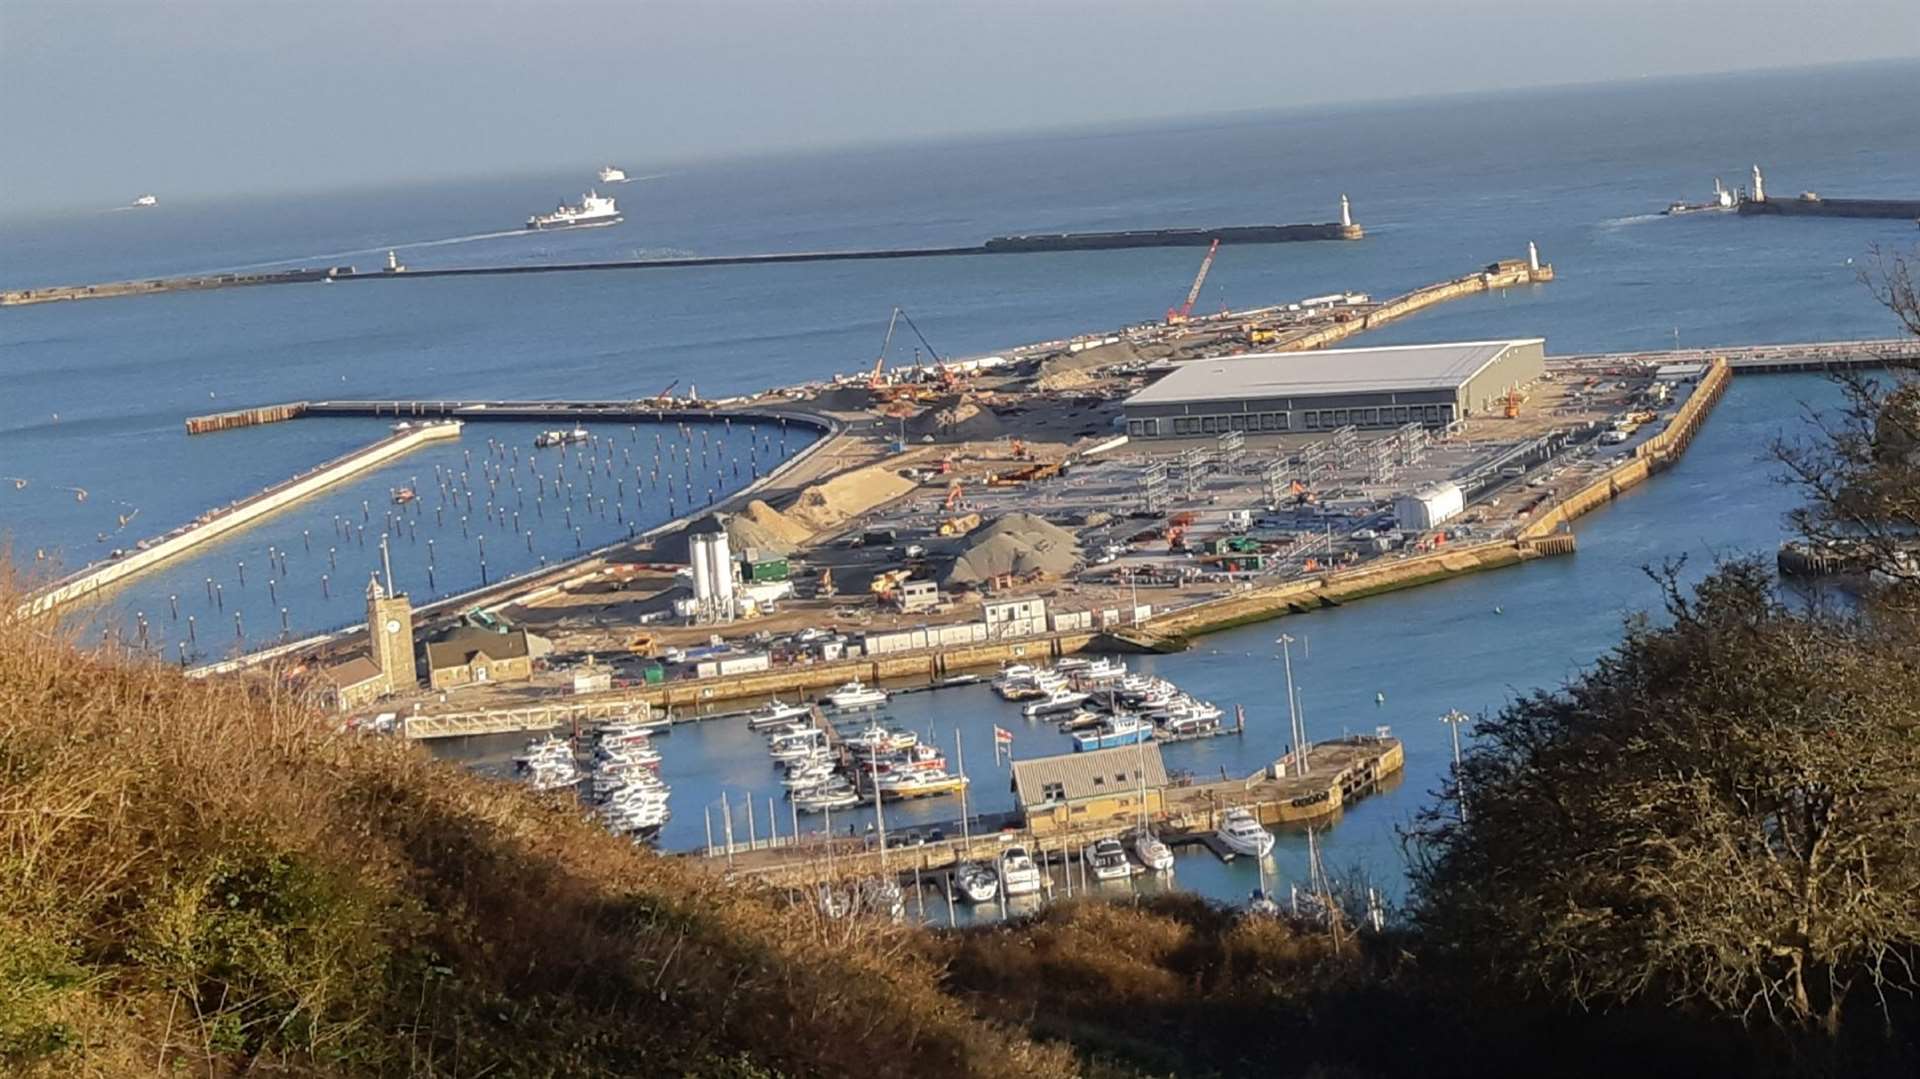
<point>201,98</point>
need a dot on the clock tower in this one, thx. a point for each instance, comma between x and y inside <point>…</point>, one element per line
<point>390,630</point>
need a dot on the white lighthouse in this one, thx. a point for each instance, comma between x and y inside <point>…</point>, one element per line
<point>1759,186</point>
<point>1533,257</point>
<point>1346,213</point>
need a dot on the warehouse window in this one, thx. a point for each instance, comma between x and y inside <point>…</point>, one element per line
<point>1135,427</point>
<point>1280,420</point>
<point>1240,423</point>
<point>1313,419</point>
<point>1208,424</point>
<point>1373,417</point>
<point>1400,415</point>
<point>1340,417</point>
<point>1153,427</point>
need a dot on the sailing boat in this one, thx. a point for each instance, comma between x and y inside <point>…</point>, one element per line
<point>977,882</point>
<point>1153,853</point>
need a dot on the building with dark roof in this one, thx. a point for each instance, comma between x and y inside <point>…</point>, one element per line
<point>1087,790</point>
<point>1325,390</point>
<point>470,656</point>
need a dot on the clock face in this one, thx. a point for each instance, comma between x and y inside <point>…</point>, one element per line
<point>393,625</point>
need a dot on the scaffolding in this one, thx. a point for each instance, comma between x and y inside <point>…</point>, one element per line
<point>1153,488</point>
<point>1276,482</point>
<point>1193,469</point>
<point>1231,450</point>
<point>1345,443</point>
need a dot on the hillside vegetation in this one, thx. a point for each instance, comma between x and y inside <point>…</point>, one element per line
<point>203,876</point>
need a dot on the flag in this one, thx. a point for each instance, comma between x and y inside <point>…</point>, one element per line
<point>1002,736</point>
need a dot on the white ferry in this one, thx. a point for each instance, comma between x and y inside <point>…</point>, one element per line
<point>146,200</point>
<point>611,175</point>
<point>595,210</point>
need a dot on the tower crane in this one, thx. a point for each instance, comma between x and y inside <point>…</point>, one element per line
<point>1178,315</point>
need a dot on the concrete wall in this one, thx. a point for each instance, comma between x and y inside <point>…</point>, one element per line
<point>1517,366</point>
<point>240,514</point>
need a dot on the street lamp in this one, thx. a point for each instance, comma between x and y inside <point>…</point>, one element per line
<point>1453,719</point>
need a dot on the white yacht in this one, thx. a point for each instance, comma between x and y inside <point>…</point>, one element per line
<point>1108,860</point>
<point>146,200</point>
<point>1153,853</point>
<point>776,714</point>
<point>595,210</point>
<point>823,798</point>
<point>1123,729</point>
<point>977,883</point>
<point>612,175</point>
<point>1018,874</point>
<point>560,438</point>
<point>1059,699</point>
<point>1243,835</point>
<point>855,695</point>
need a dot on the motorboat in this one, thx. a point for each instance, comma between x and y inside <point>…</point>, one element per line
<point>920,758</point>
<point>1124,729</point>
<point>824,798</point>
<point>547,777</point>
<point>877,740</point>
<point>915,784</point>
<point>1241,834</point>
<point>976,882</point>
<point>1056,700</point>
<point>776,713</point>
<point>808,777</point>
<point>1018,874</point>
<point>855,695</point>
<point>878,895</point>
<point>560,438</point>
<point>146,200</point>
<point>1099,672</point>
<point>1081,720</point>
<point>1108,860</point>
<point>798,745</point>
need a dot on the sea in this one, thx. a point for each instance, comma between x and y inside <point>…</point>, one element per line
<point>93,395</point>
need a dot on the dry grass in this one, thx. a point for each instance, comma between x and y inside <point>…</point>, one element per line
<point>204,876</point>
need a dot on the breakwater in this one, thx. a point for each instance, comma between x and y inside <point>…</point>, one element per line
<point>1498,276</point>
<point>1812,205</point>
<point>999,245</point>
<point>208,526</point>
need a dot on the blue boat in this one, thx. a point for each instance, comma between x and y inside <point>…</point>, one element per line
<point>1121,730</point>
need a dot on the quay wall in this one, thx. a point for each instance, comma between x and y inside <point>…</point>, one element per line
<point>1417,300</point>
<point>196,282</point>
<point>221,521</point>
<point>245,417</point>
<point>1904,209</point>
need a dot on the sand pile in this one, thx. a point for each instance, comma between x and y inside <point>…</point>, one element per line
<point>760,528</point>
<point>1065,379</point>
<point>846,496</point>
<point>1017,544</point>
<point>962,419</point>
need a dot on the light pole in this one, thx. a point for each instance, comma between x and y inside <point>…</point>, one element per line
<point>1453,719</point>
<point>1285,641</point>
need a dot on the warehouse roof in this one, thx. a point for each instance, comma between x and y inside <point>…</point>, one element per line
<point>1085,775</point>
<point>1328,371</point>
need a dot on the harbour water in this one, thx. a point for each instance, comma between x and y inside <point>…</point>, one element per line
<point>96,391</point>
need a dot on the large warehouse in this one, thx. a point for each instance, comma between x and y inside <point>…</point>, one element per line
<point>1327,390</point>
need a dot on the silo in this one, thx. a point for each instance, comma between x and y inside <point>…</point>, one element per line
<point>702,580</point>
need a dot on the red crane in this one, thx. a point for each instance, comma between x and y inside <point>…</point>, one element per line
<point>1177,315</point>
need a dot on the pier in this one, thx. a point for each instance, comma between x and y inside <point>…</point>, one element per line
<point>149,553</point>
<point>1767,359</point>
<point>1338,773</point>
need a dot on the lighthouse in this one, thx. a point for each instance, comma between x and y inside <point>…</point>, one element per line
<point>1346,213</point>
<point>1533,257</point>
<point>1759,186</point>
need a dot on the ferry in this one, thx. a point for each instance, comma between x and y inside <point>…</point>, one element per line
<point>560,438</point>
<point>146,200</point>
<point>611,175</point>
<point>595,211</point>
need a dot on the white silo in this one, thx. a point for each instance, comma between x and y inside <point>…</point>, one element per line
<point>719,571</point>
<point>702,581</point>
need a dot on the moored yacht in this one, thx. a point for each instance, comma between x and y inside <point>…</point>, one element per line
<point>856,695</point>
<point>776,713</point>
<point>1152,852</point>
<point>1242,834</point>
<point>1018,874</point>
<point>977,883</point>
<point>1059,699</point>
<point>1108,860</point>
<point>1124,729</point>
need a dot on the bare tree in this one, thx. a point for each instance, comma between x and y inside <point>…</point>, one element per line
<point>1724,813</point>
<point>1860,465</point>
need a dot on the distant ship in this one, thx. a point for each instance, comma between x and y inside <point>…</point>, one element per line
<point>146,200</point>
<point>1722,200</point>
<point>611,175</point>
<point>595,210</point>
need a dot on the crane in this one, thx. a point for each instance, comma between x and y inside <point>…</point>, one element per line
<point>662,395</point>
<point>1178,315</point>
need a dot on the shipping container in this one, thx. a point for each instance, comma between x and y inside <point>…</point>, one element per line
<point>770,569</point>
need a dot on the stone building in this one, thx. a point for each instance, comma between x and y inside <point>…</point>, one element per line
<point>388,665</point>
<point>473,656</point>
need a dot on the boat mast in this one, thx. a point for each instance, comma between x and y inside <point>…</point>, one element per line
<point>879,816</point>
<point>960,762</point>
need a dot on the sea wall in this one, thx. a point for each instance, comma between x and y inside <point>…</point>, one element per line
<point>1417,300</point>
<point>219,522</point>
